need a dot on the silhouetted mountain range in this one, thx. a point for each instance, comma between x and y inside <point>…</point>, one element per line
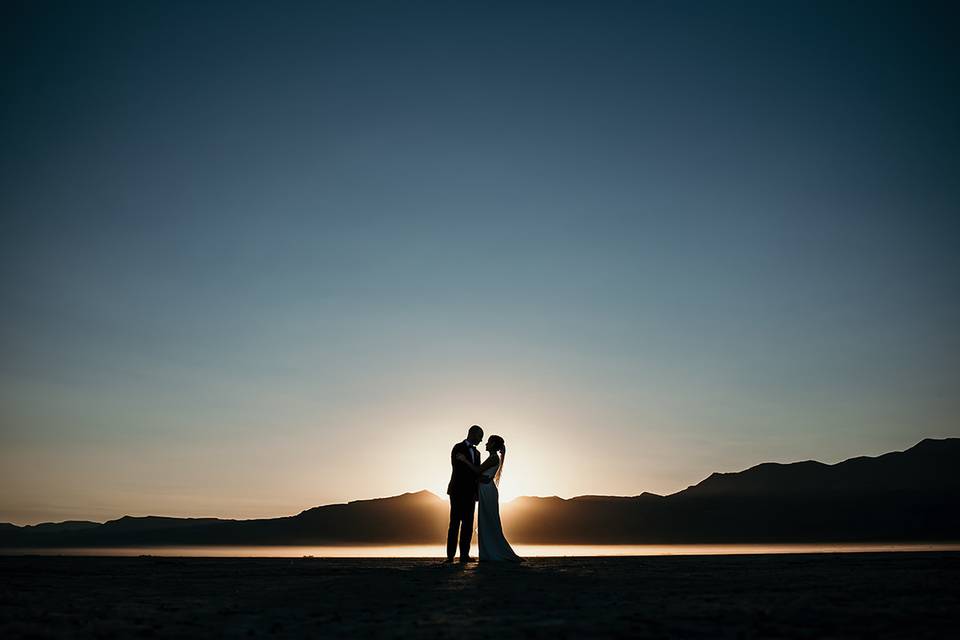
<point>909,495</point>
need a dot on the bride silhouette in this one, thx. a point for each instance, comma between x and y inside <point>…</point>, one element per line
<point>493,545</point>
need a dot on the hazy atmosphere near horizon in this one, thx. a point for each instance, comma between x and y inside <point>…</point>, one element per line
<point>255,259</point>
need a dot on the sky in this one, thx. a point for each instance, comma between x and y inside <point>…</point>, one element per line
<point>257,257</point>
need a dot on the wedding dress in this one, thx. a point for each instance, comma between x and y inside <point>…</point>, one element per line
<point>493,545</point>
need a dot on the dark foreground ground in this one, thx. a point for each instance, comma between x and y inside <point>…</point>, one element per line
<point>896,595</point>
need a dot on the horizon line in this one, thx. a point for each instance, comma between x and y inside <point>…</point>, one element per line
<point>587,495</point>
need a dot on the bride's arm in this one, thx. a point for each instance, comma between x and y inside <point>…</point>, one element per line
<point>489,462</point>
<point>462,458</point>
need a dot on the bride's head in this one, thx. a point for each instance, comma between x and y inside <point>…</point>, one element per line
<point>496,444</point>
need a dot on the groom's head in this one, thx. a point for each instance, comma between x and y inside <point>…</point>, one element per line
<point>475,435</point>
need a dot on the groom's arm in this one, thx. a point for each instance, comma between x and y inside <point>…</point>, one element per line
<point>459,448</point>
<point>461,458</point>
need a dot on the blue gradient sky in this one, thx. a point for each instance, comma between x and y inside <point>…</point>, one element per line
<point>257,258</point>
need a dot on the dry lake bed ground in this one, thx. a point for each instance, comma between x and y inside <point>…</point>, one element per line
<point>853,595</point>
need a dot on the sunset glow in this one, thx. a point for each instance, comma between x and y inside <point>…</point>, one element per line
<point>258,258</point>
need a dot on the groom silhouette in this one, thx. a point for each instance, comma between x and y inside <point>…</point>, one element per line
<point>463,491</point>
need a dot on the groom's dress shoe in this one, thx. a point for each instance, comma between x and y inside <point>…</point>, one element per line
<point>466,560</point>
<point>448,561</point>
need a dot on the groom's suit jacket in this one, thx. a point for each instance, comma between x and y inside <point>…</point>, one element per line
<point>464,483</point>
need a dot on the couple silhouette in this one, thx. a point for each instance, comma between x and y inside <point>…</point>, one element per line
<point>473,482</point>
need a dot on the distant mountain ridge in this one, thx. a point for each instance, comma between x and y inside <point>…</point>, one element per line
<point>899,496</point>
<point>922,467</point>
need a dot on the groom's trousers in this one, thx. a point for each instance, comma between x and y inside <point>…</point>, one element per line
<point>461,521</point>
